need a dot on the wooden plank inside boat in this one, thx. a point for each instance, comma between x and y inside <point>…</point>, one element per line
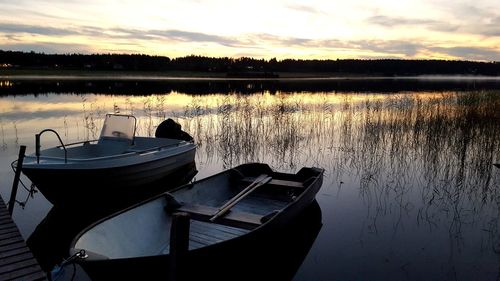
<point>237,219</point>
<point>203,234</point>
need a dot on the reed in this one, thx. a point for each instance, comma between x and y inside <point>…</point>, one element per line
<point>2,130</point>
<point>427,155</point>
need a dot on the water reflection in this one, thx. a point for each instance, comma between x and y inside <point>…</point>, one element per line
<point>410,184</point>
<point>143,86</point>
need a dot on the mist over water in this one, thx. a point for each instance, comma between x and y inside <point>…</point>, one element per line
<point>410,190</point>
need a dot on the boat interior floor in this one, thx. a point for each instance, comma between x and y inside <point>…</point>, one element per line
<point>243,217</point>
<point>250,212</point>
<point>202,234</point>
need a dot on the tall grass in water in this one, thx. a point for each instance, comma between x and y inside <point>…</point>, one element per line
<point>436,147</point>
<point>4,143</point>
<point>92,118</point>
<point>425,155</point>
<point>442,147</point>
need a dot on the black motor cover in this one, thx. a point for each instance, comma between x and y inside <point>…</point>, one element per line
<point>171,130</point>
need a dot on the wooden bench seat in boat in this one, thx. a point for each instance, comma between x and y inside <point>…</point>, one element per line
<point>232,218</point>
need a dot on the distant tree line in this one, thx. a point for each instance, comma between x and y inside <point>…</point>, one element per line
<point>138,62</point>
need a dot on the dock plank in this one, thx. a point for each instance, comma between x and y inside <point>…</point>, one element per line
<point>13,252</point>
<point>5,220</point>
<point>15,266</point>
<point>22,272</point>
<point>9,235</point>
<point>12,246</point>
<point>8,230</point>
<point>4,216</point>
<point>11,241</point>
<point>16,260</point>
<point>8,225</point>
<point>35,276</point>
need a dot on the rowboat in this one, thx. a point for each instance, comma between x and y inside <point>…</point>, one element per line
<point>226,212</point>
<point>117,162</point>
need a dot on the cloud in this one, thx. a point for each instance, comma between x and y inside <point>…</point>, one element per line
<point>119,33</point>
<point>394,21</point>
<point>470,53</point>
<point>32,29</point>
<point>379,46</point>
<point>405,48</point>
<point>49,48</point>
<point>270,39</point>
<point>169,34</point>
<point>488,25</point>
<point>30,115</point>
<point>252,44</point>
<point>387,21</point>
<point>476,18</point>
<point>187,36</point>
<point>304,9</point>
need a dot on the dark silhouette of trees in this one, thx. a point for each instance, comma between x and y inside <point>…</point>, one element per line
<point>236,66</point>
<point>34,60</point>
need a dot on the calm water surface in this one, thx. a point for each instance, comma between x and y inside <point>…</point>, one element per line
<point>410,191</point>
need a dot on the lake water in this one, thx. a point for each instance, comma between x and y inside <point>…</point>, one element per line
<point>410,190</point>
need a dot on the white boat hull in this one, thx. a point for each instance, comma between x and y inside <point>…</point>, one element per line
<point>64,183</point>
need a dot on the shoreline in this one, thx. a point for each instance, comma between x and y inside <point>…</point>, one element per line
<point>206,76</point>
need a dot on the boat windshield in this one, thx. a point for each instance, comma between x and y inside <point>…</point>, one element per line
<point>118,127</point>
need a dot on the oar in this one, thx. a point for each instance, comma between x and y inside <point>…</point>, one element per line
<point>227,206</point>
<point>255,181</point>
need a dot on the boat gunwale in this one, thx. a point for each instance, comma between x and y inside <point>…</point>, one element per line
<point>126,154</point>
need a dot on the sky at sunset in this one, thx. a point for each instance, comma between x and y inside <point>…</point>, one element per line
<point>426,29</point>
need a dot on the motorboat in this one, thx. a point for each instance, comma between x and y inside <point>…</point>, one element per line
<point>118,162</point>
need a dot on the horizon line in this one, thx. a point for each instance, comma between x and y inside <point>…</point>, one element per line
<point>253,58</point>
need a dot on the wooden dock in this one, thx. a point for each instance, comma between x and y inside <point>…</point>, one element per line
<point>16,260</point>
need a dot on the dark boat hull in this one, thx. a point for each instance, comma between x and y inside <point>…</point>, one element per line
<point>266,254</point>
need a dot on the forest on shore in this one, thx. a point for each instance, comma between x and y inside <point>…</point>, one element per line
<point>239,67</point>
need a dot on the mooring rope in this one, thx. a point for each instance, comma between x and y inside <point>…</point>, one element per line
<point>31,190</point>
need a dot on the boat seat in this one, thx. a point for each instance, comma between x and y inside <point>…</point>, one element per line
<point>232,218</point>
<point>277,182</point>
